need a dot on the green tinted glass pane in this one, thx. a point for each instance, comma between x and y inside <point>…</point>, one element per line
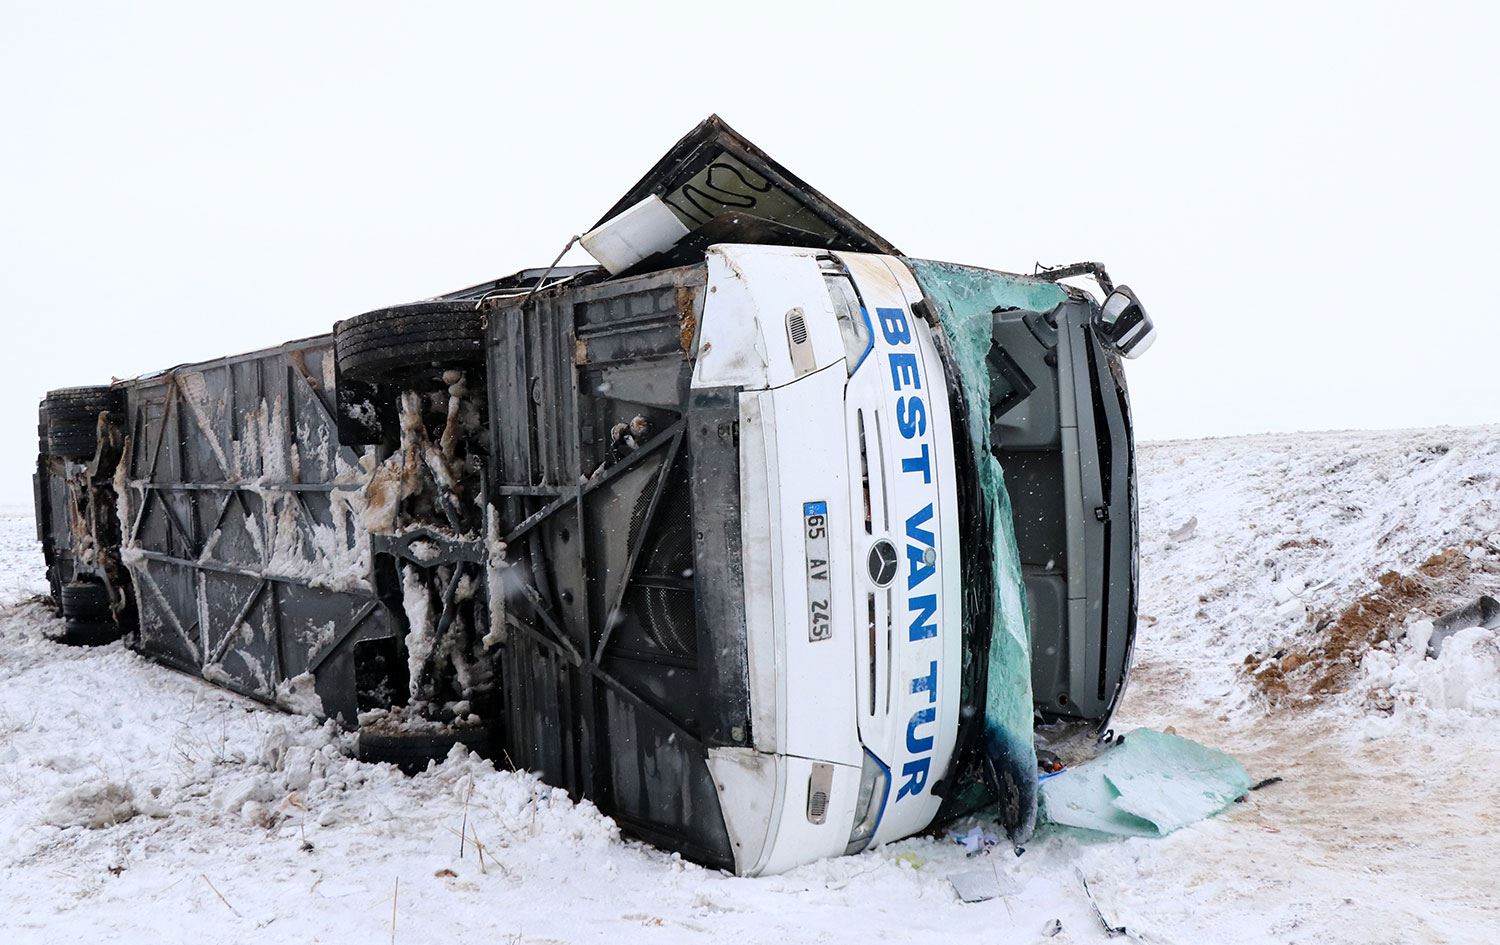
<point>964,299</point>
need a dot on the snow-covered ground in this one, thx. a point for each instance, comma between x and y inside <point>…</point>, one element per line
<point>137,804</point>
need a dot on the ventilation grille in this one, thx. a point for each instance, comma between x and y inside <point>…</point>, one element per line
<point>819,786</point>
<point>796,327</point>
<point>662,597</point>
<point>803,360</point>
<point>817,807</point>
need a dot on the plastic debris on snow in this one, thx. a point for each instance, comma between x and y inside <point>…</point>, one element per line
<point>1483,612</point>
<point>1184,531</point>
<point>979,885</point>
<point>975,840</point>
<point>1148,784</point>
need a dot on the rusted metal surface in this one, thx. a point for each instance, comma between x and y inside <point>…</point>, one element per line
<point>688,303</point>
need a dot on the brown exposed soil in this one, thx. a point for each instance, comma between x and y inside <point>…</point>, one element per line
<point>1324,664</point>
<point>1302,543</point>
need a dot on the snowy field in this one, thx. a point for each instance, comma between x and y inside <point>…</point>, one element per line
<point>140,805</point>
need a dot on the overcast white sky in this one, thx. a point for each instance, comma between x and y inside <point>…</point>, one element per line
<point>1304,195</point>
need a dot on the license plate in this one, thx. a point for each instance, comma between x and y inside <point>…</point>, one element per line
<point>815,531</point>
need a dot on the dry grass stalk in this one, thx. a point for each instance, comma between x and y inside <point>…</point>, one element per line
<point>395,891</point>
<point>221,896</point>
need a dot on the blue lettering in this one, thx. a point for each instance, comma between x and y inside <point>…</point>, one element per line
<point>922,627</point>
<point>920,541</point>
<point>915,773</point>
<point>927,684</point>
<point>921,463</point>
<point>914,743</point>
<point>893,324</point>
<point>917,568</point>
<point>914,529</point>
<point>904,368</point>
<point>911,416</point>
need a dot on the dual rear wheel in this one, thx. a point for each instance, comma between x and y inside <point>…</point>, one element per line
<point>71,430</point>
<point>88,619</point>
<point>410,343</point>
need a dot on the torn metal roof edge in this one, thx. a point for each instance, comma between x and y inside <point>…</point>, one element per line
<point>517,282</point>
<point>682,161</point>
<point>676,166</point>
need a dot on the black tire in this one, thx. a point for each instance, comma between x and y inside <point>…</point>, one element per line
<point>411,752</point>
<point>85,599</point>
<point>73,419</point>
<point>409,342</point>
<point>87,618</point>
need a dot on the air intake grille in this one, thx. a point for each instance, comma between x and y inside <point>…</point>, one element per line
<point>662,597</point>
<point>817,807</point>
<point>796,327</point>
<point>819,786</point>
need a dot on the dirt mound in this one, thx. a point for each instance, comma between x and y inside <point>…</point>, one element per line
<point>1333,645</point>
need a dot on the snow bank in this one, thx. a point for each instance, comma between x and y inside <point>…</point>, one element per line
<point>1461,686</point>
<point>1373,836</point>
<point>97,805</point>
<point>1290,531</point>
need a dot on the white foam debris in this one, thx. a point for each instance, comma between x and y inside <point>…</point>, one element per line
<point>123,486</point>
<point>471,673</point>
<point>333,555</point>
<point>424,550</point>
<point>263,453</point>
<point>1184,531</point>
<point>437,463</point>
<point>299,694</point>
<point>400,475</point>
<point>211,546</point>
<point>416,601</point>
<point>495,565</point>
<point>318,637</point>
<point>317,461</point>
<point>364,414</point>
<point>407,720</point>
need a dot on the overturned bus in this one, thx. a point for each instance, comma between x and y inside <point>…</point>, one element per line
<point>769,540</point>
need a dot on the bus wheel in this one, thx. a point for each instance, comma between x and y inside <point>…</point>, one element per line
<point>87,618</point>
<point>73,419</point>
<point>409,342</point>
<point>412,751</point>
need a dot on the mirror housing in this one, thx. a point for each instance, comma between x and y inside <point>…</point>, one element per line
<point>1123,324</point>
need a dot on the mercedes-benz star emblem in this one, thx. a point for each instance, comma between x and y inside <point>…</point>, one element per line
<point>882,563</point>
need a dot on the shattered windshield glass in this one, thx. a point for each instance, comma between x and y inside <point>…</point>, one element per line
<point>964,299</point>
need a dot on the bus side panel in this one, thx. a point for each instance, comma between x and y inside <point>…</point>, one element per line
<point>602,670</point>
<point>242,527</point>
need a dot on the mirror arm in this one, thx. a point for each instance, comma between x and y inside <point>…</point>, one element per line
<point>1094,269</point>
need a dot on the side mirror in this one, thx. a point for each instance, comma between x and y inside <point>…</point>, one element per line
<point>1123,323</point>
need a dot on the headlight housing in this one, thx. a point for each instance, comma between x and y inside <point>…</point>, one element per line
<point>869,807</point>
